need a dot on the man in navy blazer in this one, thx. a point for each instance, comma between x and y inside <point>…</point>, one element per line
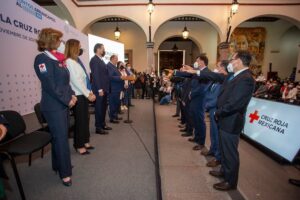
<point>197,96</point>
<point>100,87</point>
<point>117,85</point>
<point>235,94</point>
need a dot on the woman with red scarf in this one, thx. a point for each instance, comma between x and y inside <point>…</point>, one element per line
<point>57,98</point>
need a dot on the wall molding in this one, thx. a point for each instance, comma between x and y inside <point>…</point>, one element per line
<point>183,4</point>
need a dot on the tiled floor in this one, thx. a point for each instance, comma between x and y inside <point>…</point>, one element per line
<point>185,176</point>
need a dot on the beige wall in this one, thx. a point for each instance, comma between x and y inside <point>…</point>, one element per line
<point>283,38</point>
<point>132,37</point>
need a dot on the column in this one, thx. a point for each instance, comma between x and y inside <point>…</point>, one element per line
<point>150,56</point>
<point>298,66</point>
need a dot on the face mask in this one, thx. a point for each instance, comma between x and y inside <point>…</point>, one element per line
<point>216,70</point>
<point>61,48</point>
<point>290,86</point>
<point>80,52</point>
<point>196,65</point>
<point>230,68</point>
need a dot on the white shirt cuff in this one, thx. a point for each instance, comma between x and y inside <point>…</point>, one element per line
<point>198,72</point>
<point>100,90</point>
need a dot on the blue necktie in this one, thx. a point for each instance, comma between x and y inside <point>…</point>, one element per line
<point>87,80</point>
<point>231,77</point>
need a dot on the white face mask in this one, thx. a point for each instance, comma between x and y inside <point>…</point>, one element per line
<point>216,70</point>
<point>61,48</point>
<point>230,68</point>
<point>196,65</point>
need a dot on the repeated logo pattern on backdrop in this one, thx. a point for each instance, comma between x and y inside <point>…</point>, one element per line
<point>20,23</point>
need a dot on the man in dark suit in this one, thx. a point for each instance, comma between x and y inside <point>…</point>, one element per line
<point>117,85</point>
<point>100,87</point>
<point>235,94</point>
<point>197,96</point>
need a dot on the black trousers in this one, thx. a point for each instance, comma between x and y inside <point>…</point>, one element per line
<point>81,114</point>
<point>100,111</point>
<point>230,156</point>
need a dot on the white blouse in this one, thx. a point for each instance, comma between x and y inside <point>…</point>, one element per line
<point>77,78</point>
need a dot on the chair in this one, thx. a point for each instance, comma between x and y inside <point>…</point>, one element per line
<point>43,122</point>
<point>18,143</point>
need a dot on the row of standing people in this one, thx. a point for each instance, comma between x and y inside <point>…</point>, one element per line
<point>225,94</point>
<point>66,85</point>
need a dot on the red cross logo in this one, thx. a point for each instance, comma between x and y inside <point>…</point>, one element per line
<point>253,116</point>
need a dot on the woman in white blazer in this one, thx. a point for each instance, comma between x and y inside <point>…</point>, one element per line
<point>79,82</point>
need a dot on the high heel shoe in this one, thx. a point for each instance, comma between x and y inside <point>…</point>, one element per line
<point>83,153</point>
<point>67,183</point>
<point>90,148</point>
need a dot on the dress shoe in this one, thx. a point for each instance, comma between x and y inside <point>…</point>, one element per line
<point>181,126</point>
<point>131,105</point>
<point>107,128</point>
<point>294,182</point>
<point>207,153</point>
<point>213,163</point>
<point>119,118</point>
<point>101,132</point>
<point>216,173</point>
<point>113,121</point>
<point>186,135</point>
<point>198,147</point>
<point>175,115</point>
<point>183,130</point>
<point>191,140</point>
<point>224,186</point>
<point>179,119</point>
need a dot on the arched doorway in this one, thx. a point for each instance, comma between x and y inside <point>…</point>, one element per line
<point>272,40</point>
<point>175,51</point>
<point>200,32</point>
<point>132,36</point>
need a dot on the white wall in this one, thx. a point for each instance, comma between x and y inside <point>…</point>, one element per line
<point>131,36</point>
<point>279,38</point>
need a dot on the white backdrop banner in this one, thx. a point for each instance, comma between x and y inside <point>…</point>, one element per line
<point>275,126</point>
<point>20,23</point>
<point>111,47</point>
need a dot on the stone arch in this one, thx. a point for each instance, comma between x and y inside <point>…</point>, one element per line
<point>65,9</point>
<point>84,30</point>
<point>280,16</point>
<point>190,37</point>
<point>209,21</point>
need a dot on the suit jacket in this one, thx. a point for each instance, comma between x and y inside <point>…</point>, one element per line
<point>55,82</point>
<point>116,83</point>
<point>3,120</point>
<point>233,99</point>
<point>100,75</point>
<point>212,96</point>
<point>198,88</point>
